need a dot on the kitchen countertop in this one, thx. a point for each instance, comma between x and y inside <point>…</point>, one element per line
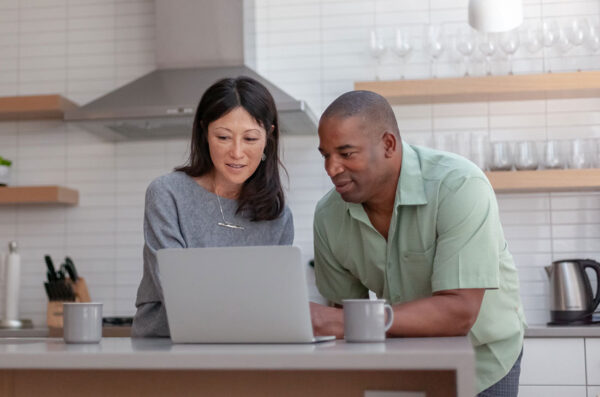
<point>43,332</point>
<point>126,353</point>
<point>545,331</point>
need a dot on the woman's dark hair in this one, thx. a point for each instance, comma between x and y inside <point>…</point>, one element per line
<point>261,197</point>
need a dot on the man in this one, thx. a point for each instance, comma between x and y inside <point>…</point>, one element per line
<point>419,228</point>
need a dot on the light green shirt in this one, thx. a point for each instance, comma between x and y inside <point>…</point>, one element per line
<point>445,233</point>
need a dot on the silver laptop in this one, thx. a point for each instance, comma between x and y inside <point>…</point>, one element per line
<point>236,295</point>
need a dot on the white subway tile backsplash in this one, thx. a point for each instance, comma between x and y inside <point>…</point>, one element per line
<point>315,50</point>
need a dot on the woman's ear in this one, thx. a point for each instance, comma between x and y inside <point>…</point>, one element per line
<point>390,143</point>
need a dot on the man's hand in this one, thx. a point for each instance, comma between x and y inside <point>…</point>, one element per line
<point>327,320</point>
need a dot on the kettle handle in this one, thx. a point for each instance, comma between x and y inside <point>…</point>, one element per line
<point>596,266</point>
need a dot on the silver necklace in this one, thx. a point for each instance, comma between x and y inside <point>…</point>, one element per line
<point>226,223</point>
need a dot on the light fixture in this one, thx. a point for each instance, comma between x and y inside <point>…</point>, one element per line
<point>493,16</point>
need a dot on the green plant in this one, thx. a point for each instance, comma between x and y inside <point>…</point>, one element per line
<point>5,162</point>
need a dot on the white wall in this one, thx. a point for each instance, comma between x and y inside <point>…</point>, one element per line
<point>313,49</point>
<point>317,49</point>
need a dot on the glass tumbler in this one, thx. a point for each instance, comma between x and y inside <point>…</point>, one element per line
<point>501,156</point>
<point>581,156</point>
<point>526,157</point>
<point>480,150</point>
<point>553,155</point>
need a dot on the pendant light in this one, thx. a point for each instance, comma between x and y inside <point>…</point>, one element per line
<point>493,16</point>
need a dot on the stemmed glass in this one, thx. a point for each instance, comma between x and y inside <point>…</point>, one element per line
<point>377,48</point>
<point>402,47</point>
<point>434,45</point>
<point>465,44</point>
<point>550,35</point>
<point>592,42</point>
<point>509,43</point>
<point>563,45</point>
<point>533,37</point>
<point>487,46</point>
<point>576,31</point>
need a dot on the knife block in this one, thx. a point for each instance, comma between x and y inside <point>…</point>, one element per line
<point>54,315</point>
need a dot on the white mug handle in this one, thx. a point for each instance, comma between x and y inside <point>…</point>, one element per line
<point>390,316</point>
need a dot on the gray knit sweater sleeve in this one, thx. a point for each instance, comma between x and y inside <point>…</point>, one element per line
<point>180,213</point>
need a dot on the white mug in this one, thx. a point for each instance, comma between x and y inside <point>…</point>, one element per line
<point>365,320</point>
<point>82,322</point>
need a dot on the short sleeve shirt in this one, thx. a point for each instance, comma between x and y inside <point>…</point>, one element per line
<point>445,233</point>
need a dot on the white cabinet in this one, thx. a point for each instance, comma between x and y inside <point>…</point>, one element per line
<point>552,391</point>
<point>592,364</point>
<point>554,361</point>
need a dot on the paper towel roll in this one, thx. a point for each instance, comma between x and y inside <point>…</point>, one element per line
<point>12,283</point>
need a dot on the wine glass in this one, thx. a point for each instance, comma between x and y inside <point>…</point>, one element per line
<point>550,33</point>
<point>434,45</point>
<point>563,45</point>
<point>487,45</point>
<point>402,47</point>
<point>576,31</point>
<point>532,37</point>
<point>377,48</point>
<point>465,44</point>
<point>509,42</point>
<point>592,41</point>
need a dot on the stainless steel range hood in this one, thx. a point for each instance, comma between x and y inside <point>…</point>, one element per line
<point>198,42</point>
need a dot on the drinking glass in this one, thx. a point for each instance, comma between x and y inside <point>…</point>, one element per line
<point>487,46</point>
<point>553,155</point>
<point>550,32</point>
<point>581,156</point>
<point>563,45</point>
<point>509,42</point>
<point>577,30</point>
<point>501,157</point>
<point>526,157</point>
<point>592,41</point>
<point>434,45</point>
<point>550,35</point>
<point>465,44</point>
<point>403,47</point>
<point>479,150</point>
<point>533,37</point>
<point>377,48</point>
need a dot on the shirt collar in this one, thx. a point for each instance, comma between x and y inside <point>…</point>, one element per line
<point>411,188</point>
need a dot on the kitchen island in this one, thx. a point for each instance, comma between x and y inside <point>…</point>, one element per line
<point>153,367</point>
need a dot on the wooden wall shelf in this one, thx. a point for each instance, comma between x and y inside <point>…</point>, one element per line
<point>488,88</point>
<point>545,180</point>
<point>34,107</point>
<point>38,195</point>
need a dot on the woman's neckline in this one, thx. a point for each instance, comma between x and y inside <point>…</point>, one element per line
<point>195,182</point>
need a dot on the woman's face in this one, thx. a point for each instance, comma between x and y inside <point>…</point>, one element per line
<point>236,142</point>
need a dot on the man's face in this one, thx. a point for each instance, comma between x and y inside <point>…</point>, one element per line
<point>353,159</point>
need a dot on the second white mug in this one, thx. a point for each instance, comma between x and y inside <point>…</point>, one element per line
<point>365,320</point>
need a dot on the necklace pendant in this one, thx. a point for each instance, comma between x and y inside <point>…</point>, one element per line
<point>230,225</point>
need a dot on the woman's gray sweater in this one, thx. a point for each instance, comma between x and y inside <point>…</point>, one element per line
<point>181,213</point>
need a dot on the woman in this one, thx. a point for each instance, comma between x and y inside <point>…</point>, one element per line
<point>228,194</point>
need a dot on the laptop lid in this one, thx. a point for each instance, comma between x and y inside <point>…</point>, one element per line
<point>252,294</point>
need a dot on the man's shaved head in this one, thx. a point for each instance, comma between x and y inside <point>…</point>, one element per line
<point>372,108</point>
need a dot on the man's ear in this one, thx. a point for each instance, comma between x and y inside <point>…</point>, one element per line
<point>390,143</point>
